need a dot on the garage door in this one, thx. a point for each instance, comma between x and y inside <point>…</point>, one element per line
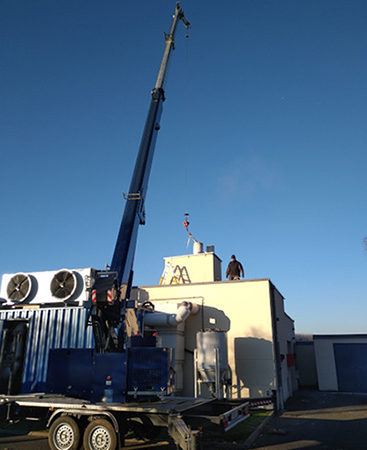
<point>351,367</point>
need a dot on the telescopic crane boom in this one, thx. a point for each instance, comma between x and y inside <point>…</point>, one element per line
<point>123,257</point>
<point>120,274</point>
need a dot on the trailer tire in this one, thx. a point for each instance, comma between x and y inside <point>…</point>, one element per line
<point>100,435</point>
<point>64,434</point>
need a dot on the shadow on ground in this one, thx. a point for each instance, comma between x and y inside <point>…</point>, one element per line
<point>318,420</point>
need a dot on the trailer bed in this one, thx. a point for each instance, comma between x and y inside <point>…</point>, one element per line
<point>178,414</point>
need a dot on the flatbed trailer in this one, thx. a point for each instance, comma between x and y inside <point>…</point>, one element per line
<point>102,426</point>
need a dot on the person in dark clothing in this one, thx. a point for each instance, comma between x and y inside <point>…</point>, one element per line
<point>234,269</point>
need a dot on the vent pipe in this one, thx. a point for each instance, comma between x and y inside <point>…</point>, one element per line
<point>162,319</point>
<point>198,248</point>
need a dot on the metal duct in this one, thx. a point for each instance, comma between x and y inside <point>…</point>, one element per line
<point>160,319</point>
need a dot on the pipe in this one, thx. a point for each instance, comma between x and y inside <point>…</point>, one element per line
<point>171,320</point>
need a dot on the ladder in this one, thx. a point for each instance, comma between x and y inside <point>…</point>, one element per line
<point>184,276</point>
<point>168,267</point>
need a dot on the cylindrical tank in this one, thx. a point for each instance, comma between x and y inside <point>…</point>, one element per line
<point>206,343</point>
<point>198,248</point>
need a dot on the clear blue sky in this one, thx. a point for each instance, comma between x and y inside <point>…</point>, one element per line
<point>263,141</point>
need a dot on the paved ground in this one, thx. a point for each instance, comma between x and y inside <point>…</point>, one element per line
<point>318,420</point>
<point>38,441</point>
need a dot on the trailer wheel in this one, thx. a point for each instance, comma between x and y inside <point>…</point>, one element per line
<point>100,435</point>
<point>64,434</point>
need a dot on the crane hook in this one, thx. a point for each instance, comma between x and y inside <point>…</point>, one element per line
<point>186,223</point>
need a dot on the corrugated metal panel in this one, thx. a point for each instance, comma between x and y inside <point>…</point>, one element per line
<point>1,330</point>
<point>48,328</point>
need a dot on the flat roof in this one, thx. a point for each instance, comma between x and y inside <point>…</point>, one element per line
<point>244,280</point>
<point>339,336</point>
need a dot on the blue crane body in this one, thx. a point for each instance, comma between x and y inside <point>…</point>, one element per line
<point>134,214</point>
<point>122,350</point>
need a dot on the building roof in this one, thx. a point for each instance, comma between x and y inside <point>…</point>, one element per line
<point>339,336</point>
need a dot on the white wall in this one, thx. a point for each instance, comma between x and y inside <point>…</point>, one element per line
<point>286,339</point>
<point>243,309</point>
<point>197,268</point>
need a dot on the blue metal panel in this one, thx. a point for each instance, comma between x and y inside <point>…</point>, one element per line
<point>48,328</point>
<point>351,367</point>
<point>1,331</point>
<point>81,373</point>
<point>113,365</point>
<point>149,369</point>
<point>70,372</point>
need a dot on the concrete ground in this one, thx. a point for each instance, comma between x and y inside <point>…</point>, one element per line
<point>317,420</point>
<point>38,441</point>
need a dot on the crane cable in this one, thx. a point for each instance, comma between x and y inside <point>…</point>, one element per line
<point>186,117</point>
<point>186,222</point>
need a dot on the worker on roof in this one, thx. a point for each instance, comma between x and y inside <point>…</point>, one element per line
<point>234,269</point>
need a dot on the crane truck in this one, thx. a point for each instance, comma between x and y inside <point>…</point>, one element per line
<point>127,380</point>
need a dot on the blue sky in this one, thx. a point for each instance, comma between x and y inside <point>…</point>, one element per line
<point>263,141</point>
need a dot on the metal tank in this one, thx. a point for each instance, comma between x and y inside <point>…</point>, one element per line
<point>211,360</point>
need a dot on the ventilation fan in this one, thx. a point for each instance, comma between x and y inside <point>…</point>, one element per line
<point>19,287</point>
<point>63,284</point>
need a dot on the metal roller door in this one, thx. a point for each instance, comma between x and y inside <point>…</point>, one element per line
<point>351,367</point>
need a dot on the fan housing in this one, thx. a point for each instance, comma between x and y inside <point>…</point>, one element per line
<point>19,287</point>
<point>63,284</point>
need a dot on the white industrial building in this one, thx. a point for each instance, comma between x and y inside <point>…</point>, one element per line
<point>260,333</point>
<point>255,335</point>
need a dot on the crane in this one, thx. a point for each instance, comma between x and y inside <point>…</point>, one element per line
<point>104,393</point>
<point>110,289</point>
